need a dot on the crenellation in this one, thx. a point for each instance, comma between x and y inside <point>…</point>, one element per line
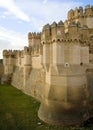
<point>81,14</point>
<point>27,51</point>
<point>33,39</point>
<point>60,23</point>
<point>88,11</point>
<point>76,13</point>
<point>70,14</point>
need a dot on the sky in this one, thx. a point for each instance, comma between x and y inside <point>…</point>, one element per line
<point>18,17</point>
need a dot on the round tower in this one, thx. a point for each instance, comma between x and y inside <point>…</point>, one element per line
<point>70,15</point>
<point>73,30</point>
<point>54,31</point>
<point>27,63</point>
<point>31,39</point>
<point>89,17</point>
<point>46,33</point>
<point>81,12</point>
<point>8,62</point>
<point>60,30</point>
<point>88,11</point>
<point>84,32</point>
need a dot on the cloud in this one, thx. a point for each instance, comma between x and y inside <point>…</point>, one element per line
<point>37,14</point>
<point>45,1</point>
<point>11,40</point>
<point>46,11</point>
<point>14,9</point>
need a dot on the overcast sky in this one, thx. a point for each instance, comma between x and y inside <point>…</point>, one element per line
<point>18,17</point>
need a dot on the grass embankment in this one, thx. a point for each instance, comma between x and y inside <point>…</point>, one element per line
<point>19,112</point>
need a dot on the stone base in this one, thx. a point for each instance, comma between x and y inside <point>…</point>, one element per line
<point>54,114</point>
<point>6,79</point>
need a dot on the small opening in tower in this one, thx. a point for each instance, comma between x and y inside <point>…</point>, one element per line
<point>81,63</point>
<point>66,64</point>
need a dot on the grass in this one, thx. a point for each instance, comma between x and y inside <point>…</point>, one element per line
<point>19,112</point>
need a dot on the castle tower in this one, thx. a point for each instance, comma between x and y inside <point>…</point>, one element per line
<point>85,17</point>
<point>81,12</point>
<point>70,15</point>
<point>84,33</point>
<point>65,76</point>
<point>8,62</point>
<point>66,24</point>
<point>34,39</point>
<point>58,46</point>
<point>81,18</point>
<point>27,63</point>
<point>54,30</point>
<point>89,16</point>
<point>88,11</point>
<point>15,53</point>
<point>45,40</point>
<point>73,30</point>
<point>76,15</point>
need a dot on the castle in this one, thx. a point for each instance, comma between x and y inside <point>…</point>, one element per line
<point>57,68</point>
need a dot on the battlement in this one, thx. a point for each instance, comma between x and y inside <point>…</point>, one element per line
<point>34,39</point>
<point>80,12</point>
<point>34,35</point>
<point>12,53</point>
<point>54,24</point>
<point>8,53</point>
<point>63,31</point>
<point>27,50</point>
<point>53,31</point>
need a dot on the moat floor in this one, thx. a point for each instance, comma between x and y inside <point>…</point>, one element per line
<point>19,112</point>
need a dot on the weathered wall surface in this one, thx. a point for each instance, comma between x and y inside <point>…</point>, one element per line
<point>34,84</point>
<point>18,78</point>
<point>1,69</point>
<point>36,62</point>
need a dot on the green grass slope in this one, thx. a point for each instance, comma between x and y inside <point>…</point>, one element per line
<point>19,112</point>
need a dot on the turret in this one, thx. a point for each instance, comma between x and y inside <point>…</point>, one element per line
<point>34,39</point>
<point>70,14</point>
<point>80,11</point>
<point>88,11</point>
<point>73,30</point>
<point>27,63</point>
<point>8,62</point>
<point>82,16</point>
<point>19,58</point>
<point>76,14</point>
<point>60,30</point>
<point>89,16</point>
<point>46,33</point>
<point>54,30</point>
<point>84,33</point>
<point>66,24</point>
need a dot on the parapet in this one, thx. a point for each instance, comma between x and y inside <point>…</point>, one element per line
<point>70,14</point>
<point>34,35</point>
<point>60,23</point>
<point>51,32</point>
<point>12,53</point>
<point>27,50</point>
<point>54,24</point>
<point>80,12</point>
<point>8,53</point>
<point>45,27</point>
